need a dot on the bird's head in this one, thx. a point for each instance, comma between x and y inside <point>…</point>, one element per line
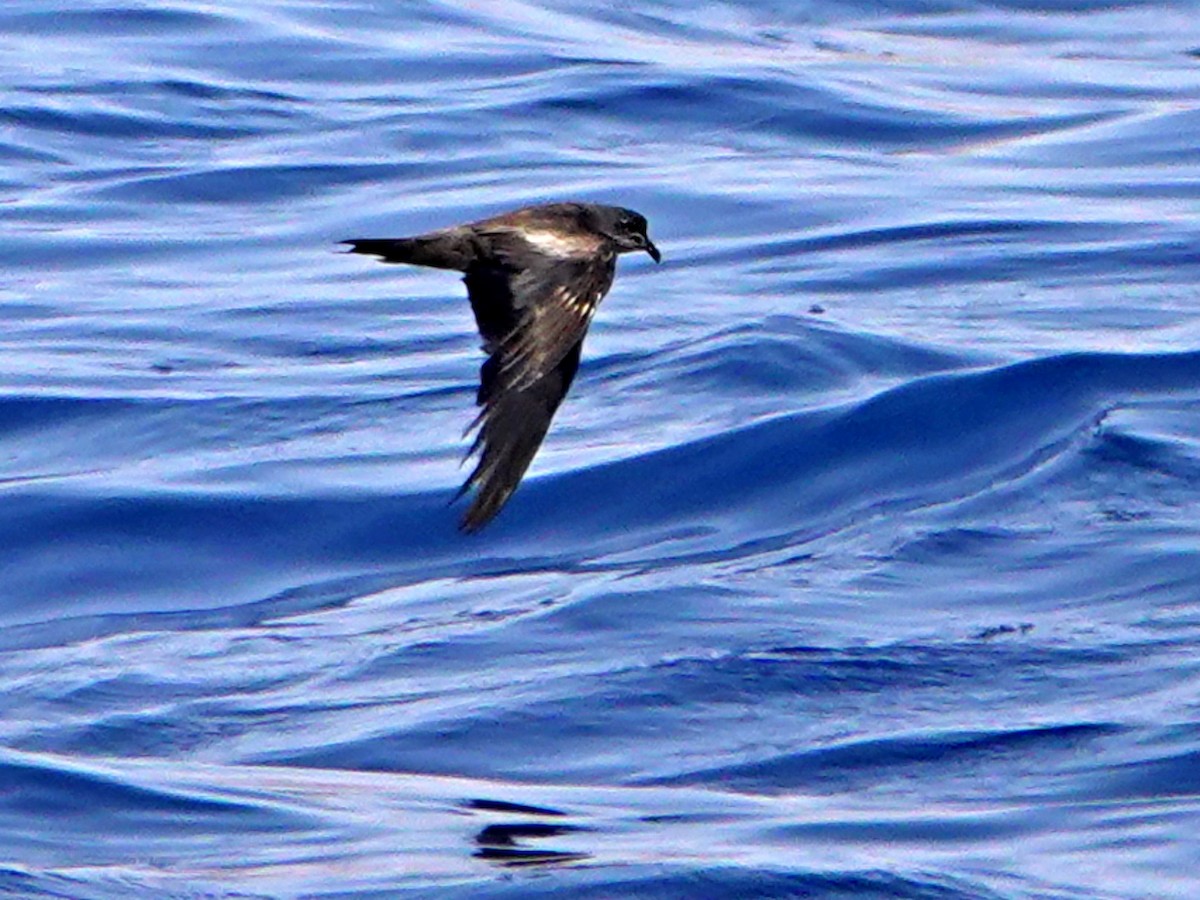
<point>626,229</point>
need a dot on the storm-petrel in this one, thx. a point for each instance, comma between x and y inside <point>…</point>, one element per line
<point>534,277</point>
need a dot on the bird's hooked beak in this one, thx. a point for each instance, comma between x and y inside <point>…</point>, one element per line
<point>653,251</point>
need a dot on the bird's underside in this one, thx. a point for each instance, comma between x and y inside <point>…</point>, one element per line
<point>534,279</point>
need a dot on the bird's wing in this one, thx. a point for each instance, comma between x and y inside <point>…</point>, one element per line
<point>534,299</point>
<point>533,310</point>
<point>512,425</point>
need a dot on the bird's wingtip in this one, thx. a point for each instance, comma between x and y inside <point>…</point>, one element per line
<point>474,519</point>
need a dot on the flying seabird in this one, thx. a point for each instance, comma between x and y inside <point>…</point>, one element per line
<point>534,277</point>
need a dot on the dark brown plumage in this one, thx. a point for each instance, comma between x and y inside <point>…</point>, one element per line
<point>534,277</point>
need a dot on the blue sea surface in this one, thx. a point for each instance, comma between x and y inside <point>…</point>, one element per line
<point>863,560</point>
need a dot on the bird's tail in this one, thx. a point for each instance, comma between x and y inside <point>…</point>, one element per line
<point>440,250</point>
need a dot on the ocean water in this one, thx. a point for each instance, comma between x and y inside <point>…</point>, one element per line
<point>863,560</point>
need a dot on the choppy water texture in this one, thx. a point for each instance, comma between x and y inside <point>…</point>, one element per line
<point>862,562</point>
